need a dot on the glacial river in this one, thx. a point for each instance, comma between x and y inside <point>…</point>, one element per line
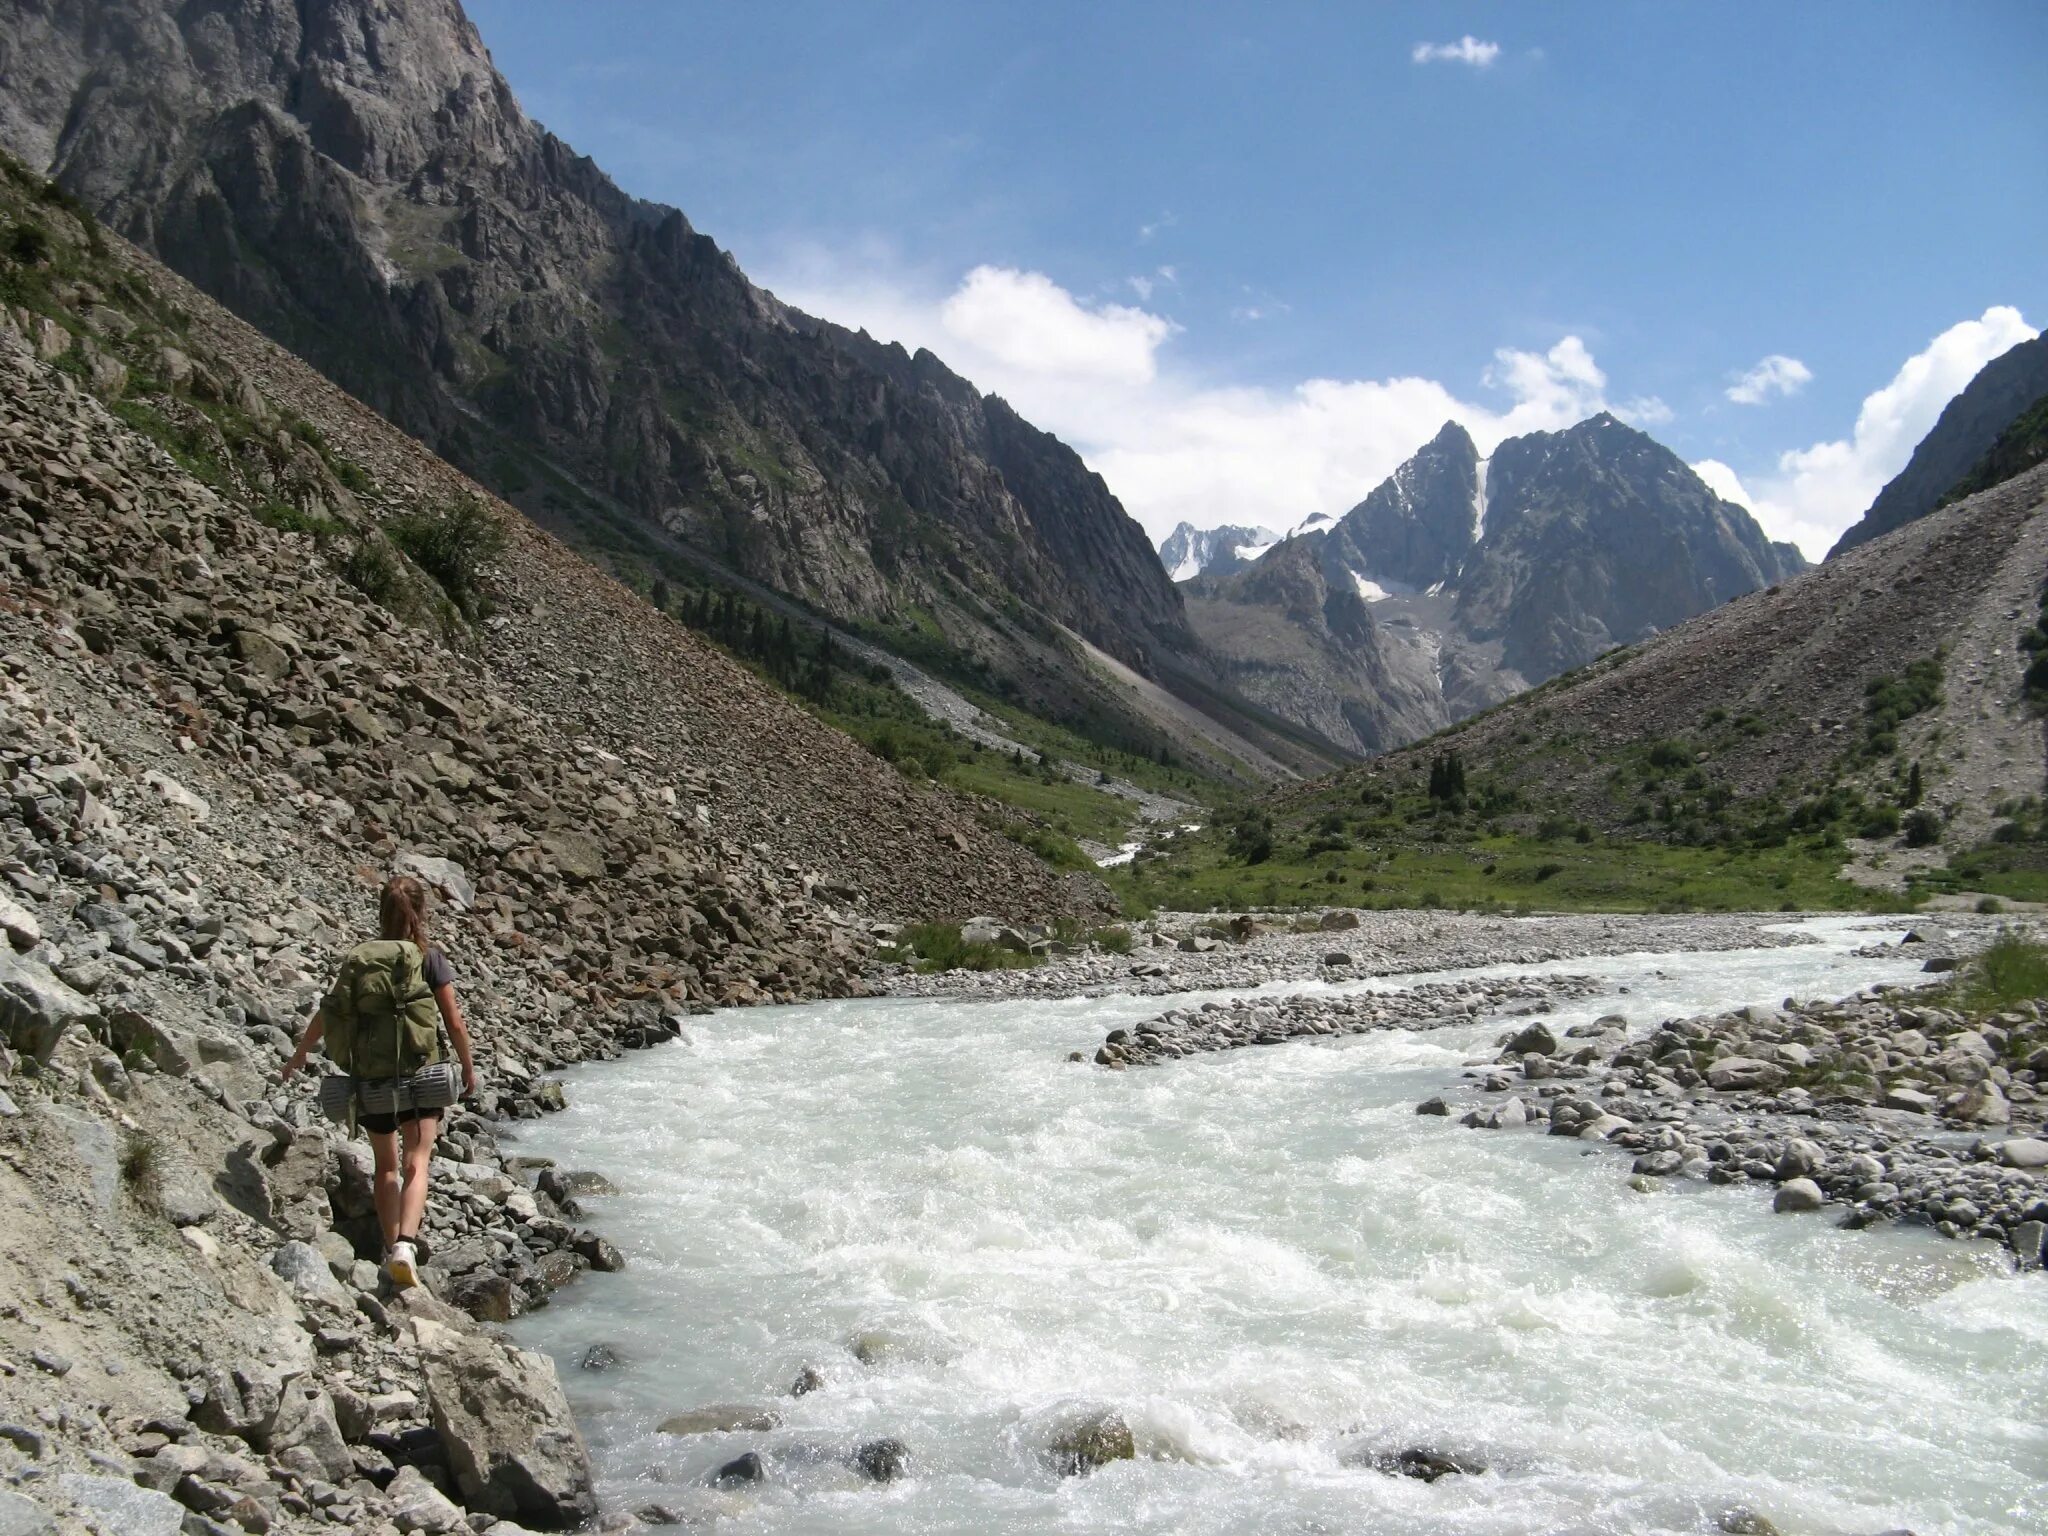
<point>1271,1267</point>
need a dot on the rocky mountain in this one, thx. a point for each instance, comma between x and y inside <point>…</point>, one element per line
<point>1817,690</point>
<point>1965,432</point>
<point>357,180</point>
<point>1190,551</point>
<point>1464,580</point>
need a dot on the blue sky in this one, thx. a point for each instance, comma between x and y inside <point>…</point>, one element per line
<point>1248,257</point>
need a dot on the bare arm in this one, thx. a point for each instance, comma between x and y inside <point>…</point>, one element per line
<point>451,1015</point>
<point>307,1042</point>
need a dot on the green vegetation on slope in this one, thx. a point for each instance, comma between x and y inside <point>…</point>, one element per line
<point>2019,448</point>
<point>1662,830</point>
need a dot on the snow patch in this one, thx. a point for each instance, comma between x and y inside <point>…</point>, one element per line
<point>1479,503</point>
<point>1188,569</point>
<point>1251,552</point>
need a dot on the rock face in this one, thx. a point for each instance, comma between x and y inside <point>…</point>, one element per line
<point>357,180</point>
<point>1969,426</point>
<point>1460,581</point>
<point>512,1446</point>
<point>1190,551</point>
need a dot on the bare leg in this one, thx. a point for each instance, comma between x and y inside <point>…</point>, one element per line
<point>419,1154</point>
<point>385,1186</point>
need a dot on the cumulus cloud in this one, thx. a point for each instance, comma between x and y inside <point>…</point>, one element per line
<point>1026,321</point>
<point>1171,445</point>
<point>1466,50</point>
<point>1812,494</point>
<point>1773,375</point>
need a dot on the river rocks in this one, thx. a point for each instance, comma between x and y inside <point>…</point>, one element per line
<point>882,1461</point>
<point>1534,1038</point>
<point>1853,1117</point>
<point>1744,1074</point>
<point>1088,1441</point>
<point>1425,1464</point>
<point>512,1446</point>
<point>20,1516</point>
<point>720,1419</point>
<point>1261,1020</point>
<point>808,1380</point>
<point>2023,1152</point>
<point>1798,1195</point>
<point>742,1471</point>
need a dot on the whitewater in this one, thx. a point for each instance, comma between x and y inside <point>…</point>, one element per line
<point>1272,1268</point>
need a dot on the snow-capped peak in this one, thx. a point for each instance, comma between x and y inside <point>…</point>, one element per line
<point>1189,551</point>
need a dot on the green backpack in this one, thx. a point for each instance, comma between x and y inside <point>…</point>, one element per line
<point>380,1017</point>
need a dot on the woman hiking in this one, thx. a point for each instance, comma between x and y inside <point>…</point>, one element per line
<point>381,1022</point>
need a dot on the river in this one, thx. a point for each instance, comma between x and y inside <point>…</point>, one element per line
<point>1271,1266</point>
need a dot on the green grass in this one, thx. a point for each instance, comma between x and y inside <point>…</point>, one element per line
<point>1505,872</point>
<point>940,947</point>
<point>2012,971</point>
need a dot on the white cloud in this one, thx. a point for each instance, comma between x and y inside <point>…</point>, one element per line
<point>1141,285</point>
<point>1026,321</point>
<point>1172,446</point>
<point>1773,375</point>
<point>1645,411</point>
<point>1466,50</point>
<point>1813,494</point>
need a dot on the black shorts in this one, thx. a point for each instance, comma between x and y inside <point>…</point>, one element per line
<point>387,1125</point>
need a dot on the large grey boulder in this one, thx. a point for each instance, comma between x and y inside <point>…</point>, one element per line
<point>1745,1074</point>
<point>36,1009</point>
<point>120,1505</point>
<point>24,1517</point>
<point>511,1441</point>
<point>306,1423</point>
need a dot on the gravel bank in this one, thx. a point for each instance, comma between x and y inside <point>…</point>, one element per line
<point>1178,952</point>
<point>1884,1107</point>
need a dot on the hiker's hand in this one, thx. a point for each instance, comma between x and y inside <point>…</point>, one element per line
<point>469,1082</point>
<point>296,1061</point>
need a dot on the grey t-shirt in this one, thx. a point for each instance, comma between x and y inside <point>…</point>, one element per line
<point>438,971</point>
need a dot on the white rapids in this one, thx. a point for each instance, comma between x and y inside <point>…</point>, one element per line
<point>1269,1264</point>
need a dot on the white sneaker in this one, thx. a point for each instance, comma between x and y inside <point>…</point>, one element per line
<point>402,1265</point>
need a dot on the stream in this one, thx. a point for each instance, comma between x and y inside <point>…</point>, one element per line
<point>1272,1268</point>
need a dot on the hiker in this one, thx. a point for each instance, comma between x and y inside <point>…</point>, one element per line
<point>381,1021</point>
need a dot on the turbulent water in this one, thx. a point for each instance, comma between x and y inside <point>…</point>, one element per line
<point>1272,1267</point>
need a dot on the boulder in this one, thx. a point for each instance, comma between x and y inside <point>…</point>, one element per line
<point>21,1516</point>
<point>19,925</point>
<point>1088,1441</point>
<point>445,876</point>
<point>1533,1039</point>
<point>1980,1104</point>
<point>741,1471</point>
<point>1798,1195</point>
<point>721,1419</point>
<point>1800,1159</point>
<point>172,793</point>
<point>882,1461</point>
<point>120,1505</point>
<point>242,1401</point>
<point>418,1505</point>
<point>512,1443</point>
<point>1744,1074</point>
<point>1338,922</point>
<point>2023,1152</point>
<point>36,1009</point>
<point>307,1421</point>
<point>1911,1100</point>
<point>304,1268</point>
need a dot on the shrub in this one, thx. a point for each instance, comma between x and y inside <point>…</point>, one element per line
<point>453,543</point>
<point>29,244</point>
<point>1923,828</point>
<point>1670,754</point>
<point>140,1167</point>
<point>372,570</point>
<point>1117,941</point>
<point>940,947</point>
<point>2013,970</point>
<point>1546,871</point>
<point>1989,906</point>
